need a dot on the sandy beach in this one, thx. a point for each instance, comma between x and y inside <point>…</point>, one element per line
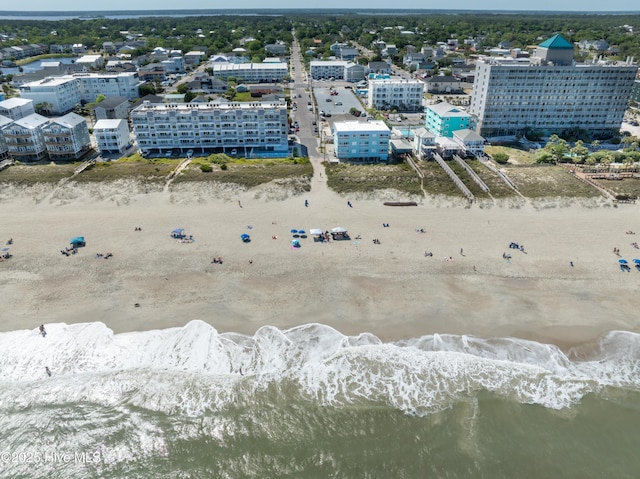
<point>390,289</point>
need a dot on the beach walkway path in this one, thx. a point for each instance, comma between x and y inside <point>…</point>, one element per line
<point>456,180</point>
<point>172,176</point>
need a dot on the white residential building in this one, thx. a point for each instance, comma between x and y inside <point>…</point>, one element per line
<point>67,137</point>
<point>24,138</point>
<point>126,84</point>
<point>4,150</point>
<point>173,65</point>
<point>16,108</point>
<point>327,69</point>
<point>403,95</point>
<point>54,95</point>
<point>550,93</point>
<point>251,72</point>
<point>361,141</point>
<point>112,136</point>
<point>251,129</point>
<point>61,94</point>
<point>91,61</point>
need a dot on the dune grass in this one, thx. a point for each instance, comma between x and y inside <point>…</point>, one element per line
<point>347,178</point>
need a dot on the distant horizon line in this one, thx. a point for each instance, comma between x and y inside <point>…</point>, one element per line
<point>318,10</point>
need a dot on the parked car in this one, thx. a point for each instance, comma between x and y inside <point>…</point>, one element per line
<point>339,103</point>
<point>328,100</point>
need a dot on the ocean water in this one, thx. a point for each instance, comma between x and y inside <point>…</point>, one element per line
<point>310,402</point>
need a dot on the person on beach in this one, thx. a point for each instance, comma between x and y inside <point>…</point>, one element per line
<point>47,370</point>
<point>42,330</point>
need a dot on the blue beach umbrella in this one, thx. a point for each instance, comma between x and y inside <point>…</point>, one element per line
<point>622,261</point>
<point>294,231</point>
<point>636,261</point>
<point>301,232</point>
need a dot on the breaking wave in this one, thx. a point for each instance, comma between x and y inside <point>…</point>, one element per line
<point>194,369</point>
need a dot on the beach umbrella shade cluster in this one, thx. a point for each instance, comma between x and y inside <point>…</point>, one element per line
<point>245,237</point>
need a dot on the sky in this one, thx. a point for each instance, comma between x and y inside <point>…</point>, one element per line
<point>491,5</point>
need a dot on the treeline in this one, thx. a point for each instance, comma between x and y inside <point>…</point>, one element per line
<point>223,33</point>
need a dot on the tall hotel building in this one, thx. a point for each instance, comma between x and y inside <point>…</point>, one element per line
<point>550,93</point>
<point>253,129</point>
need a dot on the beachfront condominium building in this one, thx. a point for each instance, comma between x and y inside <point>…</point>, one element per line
<point>58,95</point>
<point>550,93</point>
<point>252,129</point>
<point>66,137</point>
<point>24,138</point>
<point>403,95</point>
<point>4,151</point>
<point>16,108</point>
<point>251,72</point>
<point>442,119</point>
<point>112,136</point>
<point>361,141</point>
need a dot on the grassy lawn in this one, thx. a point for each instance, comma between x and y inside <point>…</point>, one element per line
<point>548,180</point>
<point>345,178</point>
<point>32,174</point>
<point>516,156</point>
<point>249,173</point>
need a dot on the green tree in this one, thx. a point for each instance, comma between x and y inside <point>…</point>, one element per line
<point>579,152</point>
<point>557,148</point>
<point>147,89</point>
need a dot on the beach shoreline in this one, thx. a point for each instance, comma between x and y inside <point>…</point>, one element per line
<point>389,289</point>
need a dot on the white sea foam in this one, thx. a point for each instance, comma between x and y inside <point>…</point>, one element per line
<point>193,369</point>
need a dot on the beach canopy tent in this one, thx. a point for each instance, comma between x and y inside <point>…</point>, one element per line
<point>338,229</point>
<point>295,243</point>
<point>177,233</point>
<point>245,237</point>
<point>77,241</point>
<point>315,231</point>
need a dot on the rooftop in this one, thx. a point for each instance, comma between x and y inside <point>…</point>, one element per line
<point>32,121</point>
<point>14,102</point>
<point>364,126</point>
<point>447,109</point>
<point>557,42</point>
<point>107,124</point>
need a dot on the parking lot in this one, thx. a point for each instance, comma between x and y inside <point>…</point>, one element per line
<point>340,104</point>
